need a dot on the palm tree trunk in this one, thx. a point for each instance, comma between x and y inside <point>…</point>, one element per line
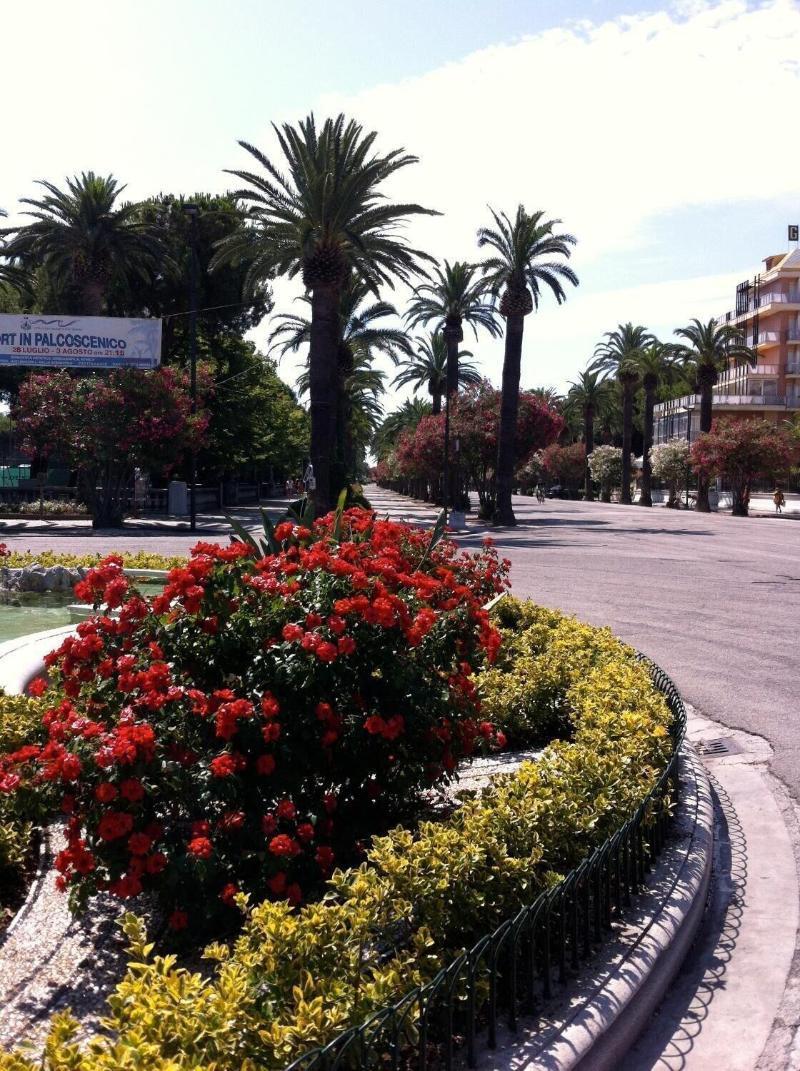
<point>627,432</point>
<point>706,416</point>
<point>509,404</point>
<point>646,498</point>
<point>323,370</point>
<point>437,403</point>
<point>92,295</point>
<point>588,441</point>
<point>453,336</point>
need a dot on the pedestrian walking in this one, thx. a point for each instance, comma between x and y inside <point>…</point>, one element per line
<point>778,499</point>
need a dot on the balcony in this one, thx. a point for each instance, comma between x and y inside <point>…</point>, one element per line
<point>793,334</point>
<point>759,304</point>
<point>748,399</point>
<point>763,370</point>
<point>793,368</point>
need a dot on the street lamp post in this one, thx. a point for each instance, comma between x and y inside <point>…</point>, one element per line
<point>688,412</point>
<point>192,212</point>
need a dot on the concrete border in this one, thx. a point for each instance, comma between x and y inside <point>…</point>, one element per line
<point>22,659</point>
<point>597,1021</point>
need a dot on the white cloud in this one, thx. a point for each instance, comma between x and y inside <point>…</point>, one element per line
<point>604,126</point>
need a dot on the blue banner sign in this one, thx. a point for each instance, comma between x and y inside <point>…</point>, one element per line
<point>36,341</point>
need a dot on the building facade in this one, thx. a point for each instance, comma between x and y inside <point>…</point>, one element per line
<point>767,311</point>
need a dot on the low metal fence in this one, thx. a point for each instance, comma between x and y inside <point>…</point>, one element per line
<point>510,972</point>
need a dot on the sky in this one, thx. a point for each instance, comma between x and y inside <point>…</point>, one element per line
<point>664,137</point>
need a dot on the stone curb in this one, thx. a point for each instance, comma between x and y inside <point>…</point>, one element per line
<point>628,978</point>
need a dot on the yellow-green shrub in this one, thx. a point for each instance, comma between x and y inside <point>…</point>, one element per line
<point>294,979</point>
<point>20,723</point>
<point>18,559</point>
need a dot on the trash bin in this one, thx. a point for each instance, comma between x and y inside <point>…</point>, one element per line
<point>177,498</point>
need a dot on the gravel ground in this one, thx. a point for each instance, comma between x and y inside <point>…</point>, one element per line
<point>50,961</point>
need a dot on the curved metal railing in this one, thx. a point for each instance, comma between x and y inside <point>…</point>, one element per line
<point>511,971</point>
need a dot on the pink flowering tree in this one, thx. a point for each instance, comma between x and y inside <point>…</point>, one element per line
<point>107,426</point>
<point>744,451</point>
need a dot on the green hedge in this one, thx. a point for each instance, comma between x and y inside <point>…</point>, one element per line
<point>296,978</point>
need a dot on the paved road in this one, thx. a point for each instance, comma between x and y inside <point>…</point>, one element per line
<point>714,599</point>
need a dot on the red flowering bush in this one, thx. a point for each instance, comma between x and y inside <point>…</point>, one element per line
<point>251,726</point>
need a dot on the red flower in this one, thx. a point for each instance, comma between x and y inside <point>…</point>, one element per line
<point>292,632</point>
<point>105,792</point>
<point>114,825</point>
<point>139,843</point>
<point>270,706</point>
<point>265,765</point>
<point>131,790</point>
<point>201,847</point>
<point>286,810</point>
<point>294,894</point>
<point>223,765</point>
<point>325,858</point>
<point>178,920</point>
<point>37,687</point>
<point>346,645</point>
<point>326,652</point>
<point>285,846</point>
<point>155,863</point>
<point>228,893</point>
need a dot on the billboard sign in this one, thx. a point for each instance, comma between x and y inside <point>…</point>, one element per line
<point>35,341</point>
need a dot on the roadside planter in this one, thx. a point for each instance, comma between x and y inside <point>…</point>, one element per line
<point>526,875</point>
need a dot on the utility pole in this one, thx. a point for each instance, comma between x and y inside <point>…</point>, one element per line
<point>192,212</point>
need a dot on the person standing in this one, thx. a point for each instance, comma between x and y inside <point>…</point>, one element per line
<point>778,499</point>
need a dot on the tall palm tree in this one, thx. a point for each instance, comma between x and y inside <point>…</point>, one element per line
<point>361,335</point>
<point>619,357</point>
<point>427,368</point>
<point>516,272</point>
<point>455,296</point>
<point>587,395</point>
<point>711,348</point>
<point>325,219</point>
<point>87,241</point>
<point>656,367</point>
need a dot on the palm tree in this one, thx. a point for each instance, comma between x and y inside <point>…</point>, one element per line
<point>588,395</point>
<point>325,219</point>
<point>454,297</point>
<point>359,408</point>
<point>619,357</point>
<point>87,242</point>
<point>361,335</point>
<point>403,419</point>
<point>712,348</point>
<point>656,367</point>
<point>516,272</point>
<point>428,367</point>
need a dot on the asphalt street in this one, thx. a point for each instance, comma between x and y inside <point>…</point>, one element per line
<point>714,599</point>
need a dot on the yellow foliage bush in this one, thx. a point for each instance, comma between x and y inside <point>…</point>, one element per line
<point>296,978</point>
<point>20,723</point>
<point>18,559</point>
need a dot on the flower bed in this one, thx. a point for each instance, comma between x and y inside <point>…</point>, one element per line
<point>296,977</point>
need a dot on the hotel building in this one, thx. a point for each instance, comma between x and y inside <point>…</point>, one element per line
<point>767,311</point>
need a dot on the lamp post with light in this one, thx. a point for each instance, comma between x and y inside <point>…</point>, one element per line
<point>192,211</point>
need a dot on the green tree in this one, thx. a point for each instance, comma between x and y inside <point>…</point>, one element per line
<point>605,466</point>
<point>709,349</point>
<point>619,356</point>
<point>224,310</point>
<point>406,418</point>
<point>427,369</point>
<point>587,395</point>
<point>656,368</point>
<point>522,264</point>
<point>256,424</point>
<point>326,218</point>
<point>88,242</point>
